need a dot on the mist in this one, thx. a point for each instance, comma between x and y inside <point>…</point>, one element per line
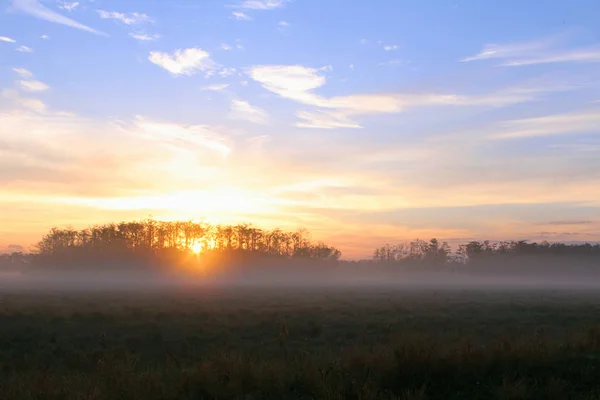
<point>532,275</point>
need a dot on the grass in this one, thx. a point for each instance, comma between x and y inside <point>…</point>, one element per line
<point>292,344</point>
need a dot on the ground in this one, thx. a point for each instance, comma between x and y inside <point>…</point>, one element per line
<point>326,343</point>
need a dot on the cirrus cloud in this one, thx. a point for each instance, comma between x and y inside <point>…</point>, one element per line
<point>533,52</point>
<point>240,16</point>
<point>132,18</point>
<point>35,9</point>
<point>144,37</point>
<point>262,4</point>
<point>584,121</point>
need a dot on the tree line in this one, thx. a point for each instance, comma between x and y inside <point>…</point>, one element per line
<point>434,252</point>
<point>154,243</point>
<point>151,242</point>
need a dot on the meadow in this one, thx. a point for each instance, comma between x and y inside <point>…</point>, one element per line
<point>300,343</point>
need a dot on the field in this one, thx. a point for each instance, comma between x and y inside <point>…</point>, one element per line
<point>327,343</point>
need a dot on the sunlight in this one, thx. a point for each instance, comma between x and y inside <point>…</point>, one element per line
<point>196,248</point>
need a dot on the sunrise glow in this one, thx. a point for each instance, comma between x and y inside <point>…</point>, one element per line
<point>273,119</point>
<point>196,248</point>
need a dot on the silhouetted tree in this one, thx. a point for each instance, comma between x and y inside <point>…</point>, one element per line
<point>145,242</point>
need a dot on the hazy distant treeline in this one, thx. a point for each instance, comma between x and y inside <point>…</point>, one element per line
<point>474,252</point>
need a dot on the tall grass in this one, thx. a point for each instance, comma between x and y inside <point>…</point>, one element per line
<point>404,348</point>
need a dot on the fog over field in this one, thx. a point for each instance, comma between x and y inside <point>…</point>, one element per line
<point>532,275</point>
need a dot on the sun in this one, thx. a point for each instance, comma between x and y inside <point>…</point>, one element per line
<point>196,248</point>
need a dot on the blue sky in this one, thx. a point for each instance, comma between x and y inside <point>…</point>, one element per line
<point>404,119</point>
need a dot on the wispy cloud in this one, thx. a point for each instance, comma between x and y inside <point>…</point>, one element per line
<point>45,37</point>
<point>240,16</point>
<point>390,47</point>
<point>183,61</point>
<point>33,86</point>
<point>27,84</point>
<point>325,120</point>
<point>541,51</point>
<point>225,46</point>
<point>559,124</point>
<point>68,6</point>
<point>590,55</point>
<point>23,73</point>
<point>290,81</point>
<point>298,83</point>
<point>557,235</point>
<point>262,4</point>
<point>225,72</point>
<point>24,49</point>
<point>180,136</point>
<point>216,87</point>
<point>7,39</point>
<point>144,37</point>
<point>35,9</point>
<point>510,50</point>
<point>242,110</point>
<point>132,18</point>
<point>587,222</point>
<point>255,5</point>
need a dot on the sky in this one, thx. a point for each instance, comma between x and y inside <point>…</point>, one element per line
<point>365,122</point>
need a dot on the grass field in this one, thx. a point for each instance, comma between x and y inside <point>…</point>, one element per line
<point>300,344</point>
